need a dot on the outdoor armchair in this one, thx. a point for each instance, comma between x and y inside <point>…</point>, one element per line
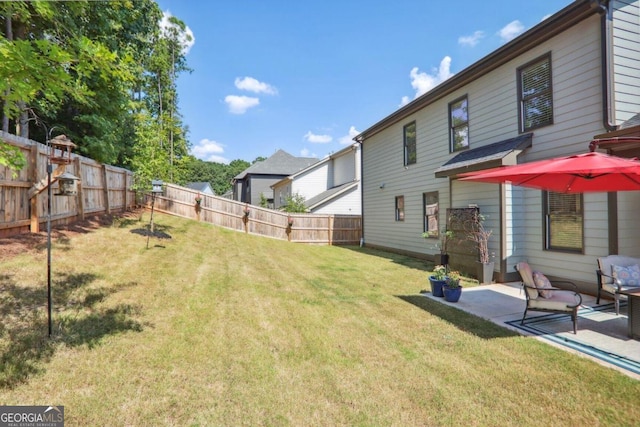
<point>542,294</point>
<point>627,276</point>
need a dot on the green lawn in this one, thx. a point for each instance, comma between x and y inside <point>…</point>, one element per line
<point>216,327</point>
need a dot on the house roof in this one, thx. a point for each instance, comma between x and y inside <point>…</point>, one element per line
<point>572,14</point>
<point>488,156</point>
<point>199,186</point>
<point>317,164</point>
<point>280,163</point>
<point>331,193</point>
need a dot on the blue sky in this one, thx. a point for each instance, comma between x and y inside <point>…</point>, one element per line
<point>307,76</point>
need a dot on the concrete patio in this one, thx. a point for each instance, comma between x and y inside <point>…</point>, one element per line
<point>598,326</point>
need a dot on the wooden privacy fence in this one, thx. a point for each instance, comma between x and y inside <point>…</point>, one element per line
<point>23,198</point>
<point>301,228</point>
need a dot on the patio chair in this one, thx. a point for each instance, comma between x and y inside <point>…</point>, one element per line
<point>543,295</point>
<point>611,283</point>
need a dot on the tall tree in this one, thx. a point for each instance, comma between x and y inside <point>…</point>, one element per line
<point>98,70</point>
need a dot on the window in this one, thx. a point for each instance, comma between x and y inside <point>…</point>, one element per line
<point>535,105</point>
<point>431,208</point>
<point>410,144</point>
<point>400,208</point>
<point>563,222</point>
<point>459,124</point>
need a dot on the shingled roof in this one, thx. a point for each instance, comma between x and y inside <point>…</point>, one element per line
<point>280,163</point>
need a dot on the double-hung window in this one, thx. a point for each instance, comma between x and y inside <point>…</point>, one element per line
<point>564,222</point>
<point>431,209</point>
<point>410,155</point>
<point>459,124</point>
<point>535,94</point>
<point>399,208</point>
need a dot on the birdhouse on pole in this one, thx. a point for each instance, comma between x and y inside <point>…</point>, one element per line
<point>61,147</point>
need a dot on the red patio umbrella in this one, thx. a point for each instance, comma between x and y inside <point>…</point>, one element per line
<point>581,173</point>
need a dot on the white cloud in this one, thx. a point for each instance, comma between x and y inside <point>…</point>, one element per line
<point>348,139</point>
<point>317,139</point>
<point>471,40</point>
<point>186,37</point>
<point>252,85</point>
<point>511,31</point>
<point>210,151</point>
<point>423,82</point>
<point>240,104</point>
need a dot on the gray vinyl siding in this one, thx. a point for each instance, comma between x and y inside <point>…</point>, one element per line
<point>577,267</point>
<point>261,185</point>
<point>493,116</point>
<point>626,52</point>
<point>484,196</point>
<point>628,229</point>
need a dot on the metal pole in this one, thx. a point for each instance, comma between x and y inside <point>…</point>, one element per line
<point>49,172</point>
<point>49,302</point>
<point>153,202</point>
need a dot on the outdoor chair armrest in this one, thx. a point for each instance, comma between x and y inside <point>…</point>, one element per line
<point>552,288</point>
<point>561,290</point>
<point>615,281</point>
<point>575,293</point>
<point>571,285</point>
<point>600,273</point>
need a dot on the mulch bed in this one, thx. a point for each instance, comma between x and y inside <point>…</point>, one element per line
<point>37,242</point>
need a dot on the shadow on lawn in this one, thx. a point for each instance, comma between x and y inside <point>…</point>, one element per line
<point>462,320</point>
<point>159,231</point>
<point>78,319</point>
<point>405,260</point>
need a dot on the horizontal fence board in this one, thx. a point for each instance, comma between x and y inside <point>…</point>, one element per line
<point>97,182</point>
<point>306,228</point>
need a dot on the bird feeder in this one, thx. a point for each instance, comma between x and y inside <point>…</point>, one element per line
<point>63,145</point>
<point>156,186</point>
<point>67,185</point>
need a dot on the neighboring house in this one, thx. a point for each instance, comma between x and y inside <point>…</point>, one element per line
<point>257,179</point>
<point>572,79</point>
<point>202,187</point>
<point>329,186</point>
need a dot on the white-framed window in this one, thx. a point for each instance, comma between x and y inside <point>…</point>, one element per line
<point>409,144</point>
<point>431,210</point>
<point>564,221</point>
<point>535,94</point>
<point>459,124</point>
<point>399,208</point>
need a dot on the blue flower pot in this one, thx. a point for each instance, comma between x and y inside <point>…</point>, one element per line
<point>436,286</point>
<point>452,294</point>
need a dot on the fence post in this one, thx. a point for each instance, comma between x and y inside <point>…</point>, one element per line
<point>330,230</point>
<point>80,197</point>
<point>33,177</point>
<point>105,183</point>
<point>245,217</point>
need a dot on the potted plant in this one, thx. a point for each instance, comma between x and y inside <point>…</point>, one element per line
<point>438,280</point>
<point>478,234</point>
<point>452,289</point>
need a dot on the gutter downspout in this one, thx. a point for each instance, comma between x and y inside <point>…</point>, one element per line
<point>607,64</point>
<point>360,141</point>
<point>607,111</point>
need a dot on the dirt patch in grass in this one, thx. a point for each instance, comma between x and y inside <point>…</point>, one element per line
<point>36,242</point>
